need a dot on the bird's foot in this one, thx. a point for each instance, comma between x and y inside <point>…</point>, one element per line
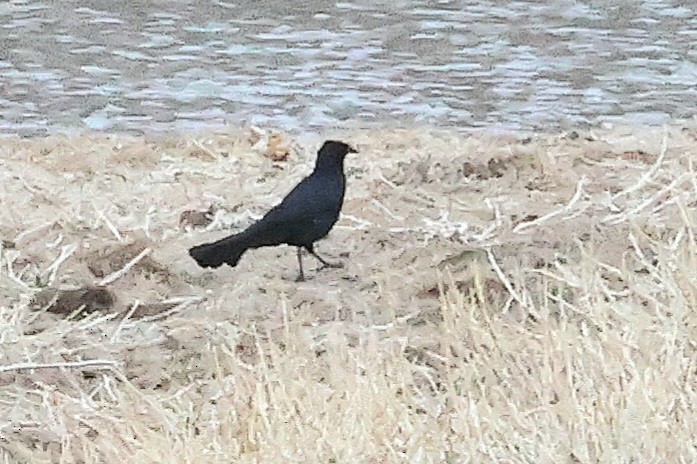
<point>326,263</point>
<point>337,265</point>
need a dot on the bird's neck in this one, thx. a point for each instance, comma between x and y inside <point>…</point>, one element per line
<point>328,165</point>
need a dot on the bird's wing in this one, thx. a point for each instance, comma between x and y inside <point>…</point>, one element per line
<point>309,198</point>
<point>300,205</point>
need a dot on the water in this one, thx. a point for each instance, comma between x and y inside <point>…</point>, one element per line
<point>180,66</point>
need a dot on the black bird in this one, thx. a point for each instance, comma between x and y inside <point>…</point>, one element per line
<point>304,216</point>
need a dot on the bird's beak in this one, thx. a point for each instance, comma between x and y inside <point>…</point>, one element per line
<point>352,150</point>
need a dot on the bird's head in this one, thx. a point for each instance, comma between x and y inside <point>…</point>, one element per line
<point>336,148</point>
<point>333,153</point>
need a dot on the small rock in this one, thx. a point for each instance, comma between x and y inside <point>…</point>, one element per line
<point>196,218</point>
<point>278,148</point>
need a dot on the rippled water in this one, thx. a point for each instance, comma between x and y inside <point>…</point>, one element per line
<point>178,65</point>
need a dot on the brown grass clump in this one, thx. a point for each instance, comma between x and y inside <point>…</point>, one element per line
<point>503,300</point>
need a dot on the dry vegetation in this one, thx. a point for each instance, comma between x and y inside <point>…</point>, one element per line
<point>503,300</point>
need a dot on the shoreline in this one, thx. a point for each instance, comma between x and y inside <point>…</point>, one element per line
<point>607,124</point>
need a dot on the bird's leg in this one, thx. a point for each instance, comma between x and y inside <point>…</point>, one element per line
<point>301,276</point>
<point>311,249</point>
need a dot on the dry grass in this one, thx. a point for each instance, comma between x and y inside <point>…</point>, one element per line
<point>504,300</point>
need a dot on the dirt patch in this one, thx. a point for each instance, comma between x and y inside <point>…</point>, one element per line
<point>81,300</point>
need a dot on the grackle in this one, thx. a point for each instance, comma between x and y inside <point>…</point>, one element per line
<point>305,215</point>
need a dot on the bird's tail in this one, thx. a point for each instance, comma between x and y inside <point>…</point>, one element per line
<point>228,250</point>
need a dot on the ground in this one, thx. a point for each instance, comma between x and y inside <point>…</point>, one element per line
<point>505,298</point>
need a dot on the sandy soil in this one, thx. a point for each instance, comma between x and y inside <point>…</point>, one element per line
<point>505,298</point>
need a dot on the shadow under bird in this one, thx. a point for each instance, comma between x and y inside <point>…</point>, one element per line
<point>305,215</point>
